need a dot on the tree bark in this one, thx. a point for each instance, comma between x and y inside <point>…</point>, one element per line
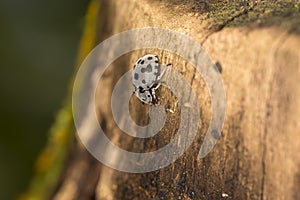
<point>257,156</point>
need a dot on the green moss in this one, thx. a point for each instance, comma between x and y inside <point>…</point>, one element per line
<point>239,13</point>
<point>50,163</point>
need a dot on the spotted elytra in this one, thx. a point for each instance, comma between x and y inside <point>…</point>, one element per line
<point>146,78</point>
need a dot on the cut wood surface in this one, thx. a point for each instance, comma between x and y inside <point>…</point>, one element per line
<point>257,155</point>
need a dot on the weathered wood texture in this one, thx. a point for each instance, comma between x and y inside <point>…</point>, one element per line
<point>257,156</point>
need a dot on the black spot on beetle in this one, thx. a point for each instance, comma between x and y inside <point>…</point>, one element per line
<point>150,58</point>
<point>143,70</point>
<point>134,66</point>
<point>141,90</point>
<point>143,81</point>
<point>149,68</point>
<point>156,61</point>
<point>153,86</point>
<point>136,76</point>
<point>142,62</point>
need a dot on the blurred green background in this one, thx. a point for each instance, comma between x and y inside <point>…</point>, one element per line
<point>38,46</point>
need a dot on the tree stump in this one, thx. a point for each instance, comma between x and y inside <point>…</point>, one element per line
<point>256,45</point>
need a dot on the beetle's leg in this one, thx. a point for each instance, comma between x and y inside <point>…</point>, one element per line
<point>154,98</point>
<point>155,86</point>
<point>161,72</point>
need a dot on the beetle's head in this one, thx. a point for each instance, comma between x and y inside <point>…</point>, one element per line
<point>145,96</point>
